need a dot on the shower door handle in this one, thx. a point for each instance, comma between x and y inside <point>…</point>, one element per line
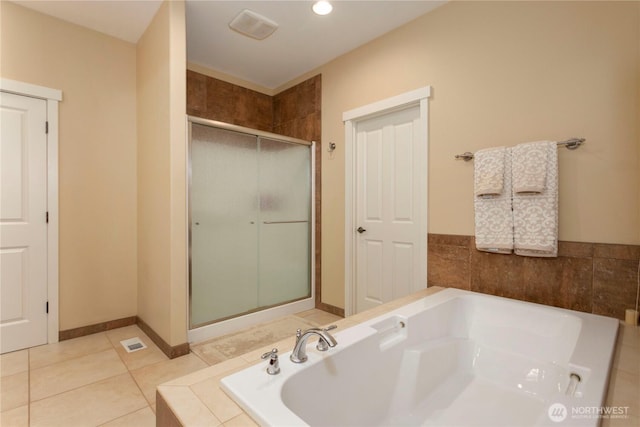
<point>360,230</point>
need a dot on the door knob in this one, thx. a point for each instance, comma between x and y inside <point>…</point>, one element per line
<point>360,230</point>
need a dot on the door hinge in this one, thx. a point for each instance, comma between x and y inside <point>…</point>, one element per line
<point>46,127</point>
<point>47,307</point>
<point>47,217</point>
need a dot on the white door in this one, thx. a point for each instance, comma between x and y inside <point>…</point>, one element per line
<point>23,225</point>
<point>389,221</point>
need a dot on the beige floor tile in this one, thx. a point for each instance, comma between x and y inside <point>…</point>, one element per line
<point>283,346</point>
<point>65,350</point>
<point>14,391</point>
<point>18,417</point>
<point>14,363</point>
<point>90,405</point>
<point>242,342</point>
<point>149,377</point>
<point>306,312</point>
<point>627,421</point>
<point>208,353</point>
<point>319,317</point>
<point>624,390</point>
<point>627,358</point>
<point>73,373</point>
<point>142,418</point>
<point>629,335</point>
<point>242,420</point>
<point>138,359</point>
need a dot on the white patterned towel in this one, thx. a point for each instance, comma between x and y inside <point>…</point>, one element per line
<point>530,166</point>
<point>535,215</point>
<point>493,215</point>
<point>488,171</point>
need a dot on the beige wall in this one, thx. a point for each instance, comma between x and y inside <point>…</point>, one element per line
<point>502,73</point>
<point>97,157</point>
<point>162,276</point>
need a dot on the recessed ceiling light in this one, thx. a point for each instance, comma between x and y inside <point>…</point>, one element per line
<point>322,7</point>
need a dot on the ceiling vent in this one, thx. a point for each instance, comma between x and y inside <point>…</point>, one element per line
<point>253,25</point>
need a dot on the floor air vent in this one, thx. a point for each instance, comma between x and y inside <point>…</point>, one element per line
<point>133,344</point>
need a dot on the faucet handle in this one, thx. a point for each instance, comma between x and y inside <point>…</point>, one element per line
<point>323,345</point>
<point>274,364</point>
<point>272,353</point>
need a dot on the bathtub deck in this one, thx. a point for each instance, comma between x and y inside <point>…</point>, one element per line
<point>197,399</point>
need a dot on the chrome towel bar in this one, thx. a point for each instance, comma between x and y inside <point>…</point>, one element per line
<point>571,144</point>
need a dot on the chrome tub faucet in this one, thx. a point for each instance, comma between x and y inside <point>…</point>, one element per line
<point>325,340</point>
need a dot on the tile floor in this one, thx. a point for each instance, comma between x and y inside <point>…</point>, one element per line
<point>93,381</point>
<point>624,384</point>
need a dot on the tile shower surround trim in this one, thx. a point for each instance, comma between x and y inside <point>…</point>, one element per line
<point>596,278</point>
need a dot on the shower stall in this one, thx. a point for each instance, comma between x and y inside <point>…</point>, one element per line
<point>250,227</point>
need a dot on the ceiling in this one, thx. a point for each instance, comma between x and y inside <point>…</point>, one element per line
<point>125,20</point>
<point>302,42</point>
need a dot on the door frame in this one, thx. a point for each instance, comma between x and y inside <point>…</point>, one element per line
<point>418,97</point>
<point>52,98</point>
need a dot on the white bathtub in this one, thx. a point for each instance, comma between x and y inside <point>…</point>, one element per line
<point>454,358</point>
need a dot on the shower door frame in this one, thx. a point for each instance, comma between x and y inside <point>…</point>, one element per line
<point>246,320</point>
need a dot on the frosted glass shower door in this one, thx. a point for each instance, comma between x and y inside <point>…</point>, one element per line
<point>224,224</point>
<point>285,222</point>
<point>250,223</point>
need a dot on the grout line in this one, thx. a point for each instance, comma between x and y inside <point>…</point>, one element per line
<point>74,388</point>
<point>70,358</point>
<point>198,356</point>
<point>133,378</point>
<point>114,347</point>
<point>142,392</point>
<point>129,413</point>
<point>28,387</point>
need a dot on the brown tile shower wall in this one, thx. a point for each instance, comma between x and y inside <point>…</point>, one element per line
<point>591,277</point>
<point>215,99</point>
<point>294,112</point>
<point>297,113</point>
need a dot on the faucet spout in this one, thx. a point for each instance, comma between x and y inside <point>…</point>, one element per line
<point>299,353</point>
